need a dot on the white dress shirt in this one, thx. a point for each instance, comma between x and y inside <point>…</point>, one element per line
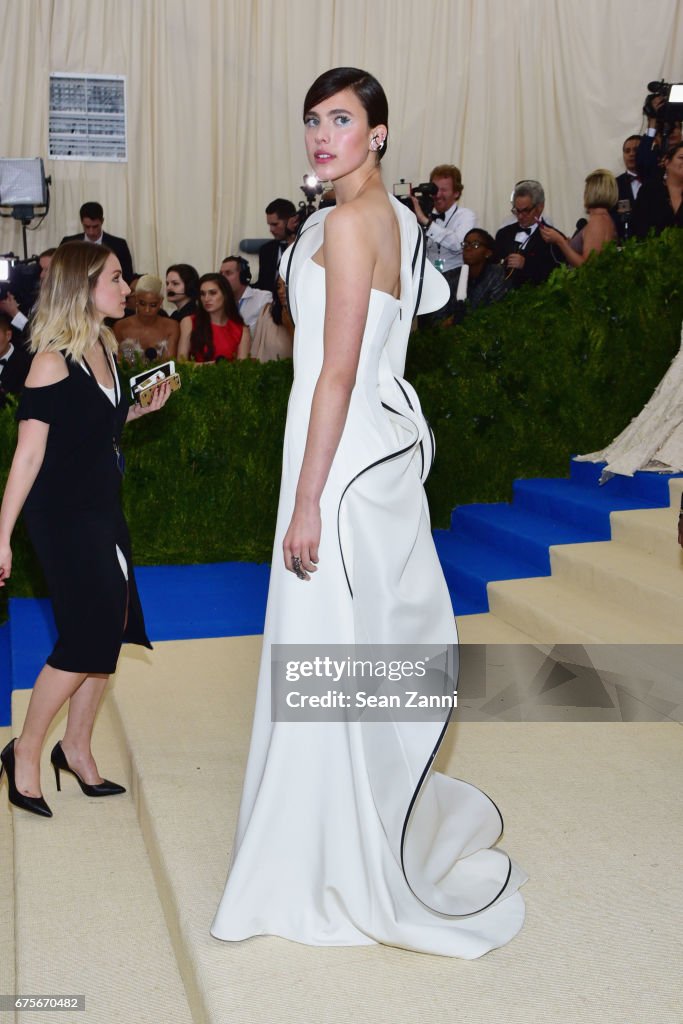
<point>445,237</point>
<point>252,302</point>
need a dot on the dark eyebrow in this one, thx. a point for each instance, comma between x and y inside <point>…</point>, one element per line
<point>309,113</point>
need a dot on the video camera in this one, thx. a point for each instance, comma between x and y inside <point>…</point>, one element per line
<point>424,193</point>
<point>20,277</point>
<point>670,111</point>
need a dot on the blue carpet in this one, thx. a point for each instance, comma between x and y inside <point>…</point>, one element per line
<point>181,602</point>
<point>484,543</point>
<point>511,541</point>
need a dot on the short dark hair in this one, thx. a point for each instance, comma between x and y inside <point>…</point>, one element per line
<point>282,208</point>
<point>631,138</point>
<point>363,84</point>
<point>486,238</point>
<point>188,275</point>
<point>93,211</point>
<point>5,322</point>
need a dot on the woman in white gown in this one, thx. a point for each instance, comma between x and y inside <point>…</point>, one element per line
<point>653,440</point>
<point>345,836</point>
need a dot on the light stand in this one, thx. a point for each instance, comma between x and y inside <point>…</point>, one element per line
<point>25,191</point>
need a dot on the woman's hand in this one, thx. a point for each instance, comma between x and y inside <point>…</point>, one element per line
<point>5,563</point>
<point>551,235</point>
<point>300,546</point>
<point>160,397</point>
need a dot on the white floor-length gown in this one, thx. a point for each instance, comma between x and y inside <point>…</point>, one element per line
<point>653,440</point>
<point>345,836</point>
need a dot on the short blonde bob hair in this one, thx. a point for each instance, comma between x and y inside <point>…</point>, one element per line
<point>66,319</point>
<point>148,283</point>
<point>601,191</point>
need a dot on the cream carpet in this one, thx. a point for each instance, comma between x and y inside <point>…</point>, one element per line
<point>592,813</point>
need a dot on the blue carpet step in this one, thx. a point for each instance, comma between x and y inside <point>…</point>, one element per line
<point>510,529</point>
<point>651,486</point>
<point>583,506</point>
<point>469,565</point>
<point>181,602</point>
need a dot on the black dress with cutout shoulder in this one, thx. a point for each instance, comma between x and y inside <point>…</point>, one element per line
<point>75,521</point>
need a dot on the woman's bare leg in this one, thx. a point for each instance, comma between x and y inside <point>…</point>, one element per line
<point>79,726</point>
<point>51,690</point>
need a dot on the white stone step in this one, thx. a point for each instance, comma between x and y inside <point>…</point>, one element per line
<point>88,920</point>
<point>676,492</point>
<point>645,587</point>
<point>652,530</point>
<point>554,613</point>
<point>486,628</point>
<point>187,715</point>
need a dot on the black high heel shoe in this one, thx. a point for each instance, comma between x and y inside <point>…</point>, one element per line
<point>60,763</point>
<point>34,804</point>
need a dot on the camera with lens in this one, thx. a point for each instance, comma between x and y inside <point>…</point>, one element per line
<point>424,192</point>
<point>20,277</point>
<point>672,109</point>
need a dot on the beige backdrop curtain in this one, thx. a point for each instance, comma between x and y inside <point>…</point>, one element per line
<point>539,88</point>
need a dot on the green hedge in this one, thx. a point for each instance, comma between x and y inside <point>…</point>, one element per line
<point>511,392</point>
<point>549,372</point>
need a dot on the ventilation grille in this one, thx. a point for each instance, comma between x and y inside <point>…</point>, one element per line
<point>87,117</point>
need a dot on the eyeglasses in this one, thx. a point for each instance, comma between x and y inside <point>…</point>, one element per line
<point>473,245</point>
<point>520,213</point>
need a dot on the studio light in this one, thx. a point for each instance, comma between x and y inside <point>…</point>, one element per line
<point>24,190</point>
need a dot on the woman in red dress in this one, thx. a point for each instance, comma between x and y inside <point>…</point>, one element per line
<point>216,330</point>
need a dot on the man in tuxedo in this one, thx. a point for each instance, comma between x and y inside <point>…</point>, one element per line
<point>520,247</point>
<point>445,231</point>
<point>282,220</point>
<point>92,219</point>
<point>14,360</point>
<point>628,184</point>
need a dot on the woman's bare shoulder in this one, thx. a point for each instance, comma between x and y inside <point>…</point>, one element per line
<point>46,368</point>
<point>361,223</point>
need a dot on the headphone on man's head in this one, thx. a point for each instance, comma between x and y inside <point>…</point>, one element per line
<point>244,268</point>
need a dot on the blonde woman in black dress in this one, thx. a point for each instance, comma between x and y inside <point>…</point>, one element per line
<point>66,476</point>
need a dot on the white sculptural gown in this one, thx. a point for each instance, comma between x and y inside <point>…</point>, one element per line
<point>345,836</point>
<point>653,440</point>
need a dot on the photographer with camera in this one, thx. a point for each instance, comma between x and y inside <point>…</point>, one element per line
<point>445,228</point>
<point>663,130</point>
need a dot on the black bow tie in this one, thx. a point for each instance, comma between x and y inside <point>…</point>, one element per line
<point>438,216</point>
<point>4,361</point>
<point>527,231</point>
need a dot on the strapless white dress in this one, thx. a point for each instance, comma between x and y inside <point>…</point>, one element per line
<point>345,836</point>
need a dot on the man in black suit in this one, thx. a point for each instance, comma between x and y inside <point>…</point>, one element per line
<point>520,246</point>
<point>281,217</point>
<point>92,218</point>
<point>14,360</point>
<point>628,184</point>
